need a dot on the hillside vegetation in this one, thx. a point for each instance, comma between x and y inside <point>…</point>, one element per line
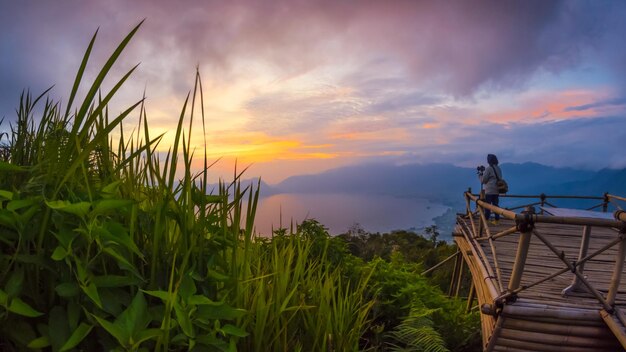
<point>107,245</point>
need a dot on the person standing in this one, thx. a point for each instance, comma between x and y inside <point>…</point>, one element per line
<point>489,178</point>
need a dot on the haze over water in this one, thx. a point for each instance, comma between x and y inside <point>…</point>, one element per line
<point>338,212</point>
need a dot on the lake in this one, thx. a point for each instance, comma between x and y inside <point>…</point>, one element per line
<point>338,212</point>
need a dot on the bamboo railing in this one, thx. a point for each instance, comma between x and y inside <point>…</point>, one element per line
<point>525,224</point>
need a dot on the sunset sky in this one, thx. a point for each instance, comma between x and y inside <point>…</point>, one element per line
<point>296,87</point>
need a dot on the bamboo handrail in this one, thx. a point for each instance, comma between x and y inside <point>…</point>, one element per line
<point>616,197</point>
<point>548,196</point>
<point>619,223</point>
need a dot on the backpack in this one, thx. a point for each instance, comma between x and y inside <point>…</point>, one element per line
<point>503,187</point>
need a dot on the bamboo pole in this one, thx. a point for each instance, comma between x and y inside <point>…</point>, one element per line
<point>506,232</point>
<point>614,326</point>
<point>484,270</point>
<point>581,278</point>
<point>525,206</point>
<point>550,204</point>
<point>612,196</point>
<point>471,297</point>
<point>550,196</point>
<point>617,272</point>
<point>603,205</point>
<point>520,260</point>
<point>582,253</point>
<point>559,341</point>
<point>620,316</point>
<point>471,217</point>
<point>598,331</point>
<point>533,284</point>
<point>619,223</point>
<point>616,204</point>
<point>545,311</point>
<point>441,263</point>
<point>483,221</point>
<point>455,273</point>
<point>493,340</point>
<point>459,279</point>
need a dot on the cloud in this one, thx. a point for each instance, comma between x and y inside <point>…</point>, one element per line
<point>598,104</point>
<point>403,79</point>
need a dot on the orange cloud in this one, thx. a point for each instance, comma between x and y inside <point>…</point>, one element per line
<point>548,106</point>
<point>387,134</point>
<point>252,147</point>
<point>430,125</point>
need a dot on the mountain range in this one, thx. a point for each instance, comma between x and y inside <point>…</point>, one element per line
<point>445,183</point>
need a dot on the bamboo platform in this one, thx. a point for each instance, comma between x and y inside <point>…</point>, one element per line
<point>546,283</point>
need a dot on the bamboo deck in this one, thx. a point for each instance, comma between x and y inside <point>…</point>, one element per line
<point>541,318</point>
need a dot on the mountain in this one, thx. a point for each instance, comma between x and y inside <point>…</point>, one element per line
<point>432,181</point>
<point>445,183</point>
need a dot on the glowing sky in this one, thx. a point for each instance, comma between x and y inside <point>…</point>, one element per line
<point>302,86</point>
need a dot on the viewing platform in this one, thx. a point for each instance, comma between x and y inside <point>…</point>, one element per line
<point>547,278</point>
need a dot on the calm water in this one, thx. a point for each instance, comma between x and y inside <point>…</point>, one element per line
<point>338,212</point>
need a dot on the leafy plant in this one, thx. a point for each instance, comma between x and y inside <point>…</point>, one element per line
<point>416,333</point>
<point>115,242</point>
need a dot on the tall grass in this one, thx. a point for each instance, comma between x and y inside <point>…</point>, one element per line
<point>106,246</point>
<point>300,300</point>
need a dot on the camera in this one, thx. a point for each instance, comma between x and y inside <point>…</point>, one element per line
<point>480,169</point>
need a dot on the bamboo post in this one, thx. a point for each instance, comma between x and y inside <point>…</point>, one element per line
<point>455,273</point>
<point>471,297</point>
<point>576,285</point>
<point>459,278</point>
<point>483,223</point>
<point>605,202</point>
<point>526,229</point>
<point>617,271</point>
<point>469,213</point>
<point>493,339</point>
<point>543,201</point>
<point>520,260</point>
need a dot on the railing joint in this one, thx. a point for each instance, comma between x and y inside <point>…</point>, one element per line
<point>574,264</point>
<point>528,223</point>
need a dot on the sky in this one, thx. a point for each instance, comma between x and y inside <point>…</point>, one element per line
<point>298,87</point>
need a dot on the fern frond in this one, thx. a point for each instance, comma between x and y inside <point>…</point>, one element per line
<point>416,333</point>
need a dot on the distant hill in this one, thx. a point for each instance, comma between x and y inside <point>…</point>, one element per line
<point>445,183</point>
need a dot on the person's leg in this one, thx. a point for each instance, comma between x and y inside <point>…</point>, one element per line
<point>488,199</point>
<point>496,202</point>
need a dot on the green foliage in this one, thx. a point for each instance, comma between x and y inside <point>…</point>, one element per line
<point>121,252</point>
<point>298,297</point>
<point>416,333</point>
<point>399,258</point>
